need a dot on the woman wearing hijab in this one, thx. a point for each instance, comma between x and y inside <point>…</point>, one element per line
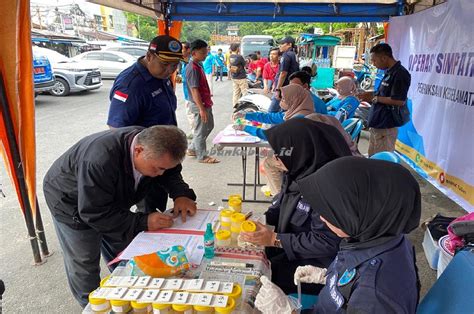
<point>301,146</point>
<point>330,120</point>
<point>295,101</point>
<point>344,106</point>
<point>372,205</point>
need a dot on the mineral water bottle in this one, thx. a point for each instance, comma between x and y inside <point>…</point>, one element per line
<point>209,242</point>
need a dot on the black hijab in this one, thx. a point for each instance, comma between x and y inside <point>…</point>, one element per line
<point>373,201</point>
<point>303,146</point>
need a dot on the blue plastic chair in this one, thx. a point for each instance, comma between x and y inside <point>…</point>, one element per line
<point>452,292</point>
<point>388,156</point>
<point>353,126</point>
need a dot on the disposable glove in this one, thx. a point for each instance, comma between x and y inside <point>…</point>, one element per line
<point>271,299</point>
<point>310,274</point>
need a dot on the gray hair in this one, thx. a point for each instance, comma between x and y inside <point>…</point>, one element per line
<point>161,139</point>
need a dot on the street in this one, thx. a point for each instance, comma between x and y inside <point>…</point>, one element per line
<point>60,122</point>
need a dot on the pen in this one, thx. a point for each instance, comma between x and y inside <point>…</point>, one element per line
<point>231,264</point>
<point>169,211</point>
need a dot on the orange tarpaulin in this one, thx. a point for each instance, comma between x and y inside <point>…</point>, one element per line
<point>16,66</point>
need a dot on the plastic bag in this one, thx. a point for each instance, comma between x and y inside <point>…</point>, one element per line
<point>164,263</point>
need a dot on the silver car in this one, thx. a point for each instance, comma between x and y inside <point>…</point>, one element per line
<point>136,51</point>
<point>110,63</point>
<point>71,76</point>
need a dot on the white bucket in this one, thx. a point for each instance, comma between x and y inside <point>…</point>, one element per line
<point>445,255</point>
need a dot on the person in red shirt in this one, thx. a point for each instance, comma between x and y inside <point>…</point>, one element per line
<point>255,68</point>
<point>263,60</point>
<point>270,69</point>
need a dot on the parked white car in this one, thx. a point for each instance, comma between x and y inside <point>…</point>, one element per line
<point>136,51</point>
<point>110,63</point>
<point>70,75</point>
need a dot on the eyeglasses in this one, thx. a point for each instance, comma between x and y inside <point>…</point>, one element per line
<point>166,64</point>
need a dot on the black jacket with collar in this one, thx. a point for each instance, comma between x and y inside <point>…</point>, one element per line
<point>92,185</point>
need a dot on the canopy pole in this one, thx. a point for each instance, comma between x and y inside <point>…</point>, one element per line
<point>18,169</point>
<point>40,232</point>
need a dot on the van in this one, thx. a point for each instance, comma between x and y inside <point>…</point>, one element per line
<point>251,43</point>
<point>42,73</point>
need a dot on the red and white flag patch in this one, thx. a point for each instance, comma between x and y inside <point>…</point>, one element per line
<point>120,96</point>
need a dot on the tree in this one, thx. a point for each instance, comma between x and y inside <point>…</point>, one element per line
<point>147,27</point>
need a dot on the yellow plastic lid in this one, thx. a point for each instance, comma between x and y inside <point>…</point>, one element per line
<point>235,196</point>
<point>236,292</point>
<point>235,202</point>
<point>103,281</point>
<point>181,307</point>
<point>248,226</point>
<point>237,217</point>
<point>160,306</point>
<point>226,212</point>
<point>228,309</point>
<point>202,308</point>
<point>235,229</point>
<point>137,305</point>
<point>119,302</point>
<point>222,234</point>
<point>96,301</point>
<point>225,224</point>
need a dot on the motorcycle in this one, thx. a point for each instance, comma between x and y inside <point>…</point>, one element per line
<point>252,102</point>
<point>364,78</point>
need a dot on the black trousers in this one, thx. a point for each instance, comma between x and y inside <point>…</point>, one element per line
<point>283,271</point>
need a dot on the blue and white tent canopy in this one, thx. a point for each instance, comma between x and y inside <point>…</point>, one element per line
<point>263,10</point>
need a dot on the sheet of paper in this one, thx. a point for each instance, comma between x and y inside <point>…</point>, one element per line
<point>230,131</point>
<point>198,222</point>
<point>147,242</point>
<point>239,139</point>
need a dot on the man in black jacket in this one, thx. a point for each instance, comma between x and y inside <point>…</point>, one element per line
<point>91,187</point>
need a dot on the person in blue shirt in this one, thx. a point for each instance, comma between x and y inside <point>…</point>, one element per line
<point>295,100</point>
<point>372,205</point>
<point>304,79</point>
<point>301,146</point>
<point>219,63</point>
<point>182,71</point>
<point>209,67</point>
<point>143,94</point>
<point>343,106</point>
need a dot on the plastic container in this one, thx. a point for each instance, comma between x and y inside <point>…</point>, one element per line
<point>183,309</point>
<point>237,219</point>
<point>141,307</point>
<point>235,295</point>
<point>231,304</point>
<point>225,215</point>
<point>445,255</point>
<point>223,238</point>
<point>120,307</point>
<point>431,248</point>
<point>99,305</point>
<point>159,308</point>
<point>235,204</point>
<point>248,226</point>
<point>103,281</point>
<point>200,309</point>
<point>225,225</point>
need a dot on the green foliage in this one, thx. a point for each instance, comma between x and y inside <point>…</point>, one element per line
<point>197,30</point>
<point>146,26</point>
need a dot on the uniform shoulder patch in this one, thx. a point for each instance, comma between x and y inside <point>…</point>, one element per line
<point>347,277</point>
<point>120,96</point>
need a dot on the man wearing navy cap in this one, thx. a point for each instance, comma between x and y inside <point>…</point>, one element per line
<point>288,65</point>
<point>143,95</point>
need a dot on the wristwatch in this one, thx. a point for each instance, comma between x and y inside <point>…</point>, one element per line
<point>277,242</point>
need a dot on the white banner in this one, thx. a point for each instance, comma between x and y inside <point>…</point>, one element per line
<point>437,47</point>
